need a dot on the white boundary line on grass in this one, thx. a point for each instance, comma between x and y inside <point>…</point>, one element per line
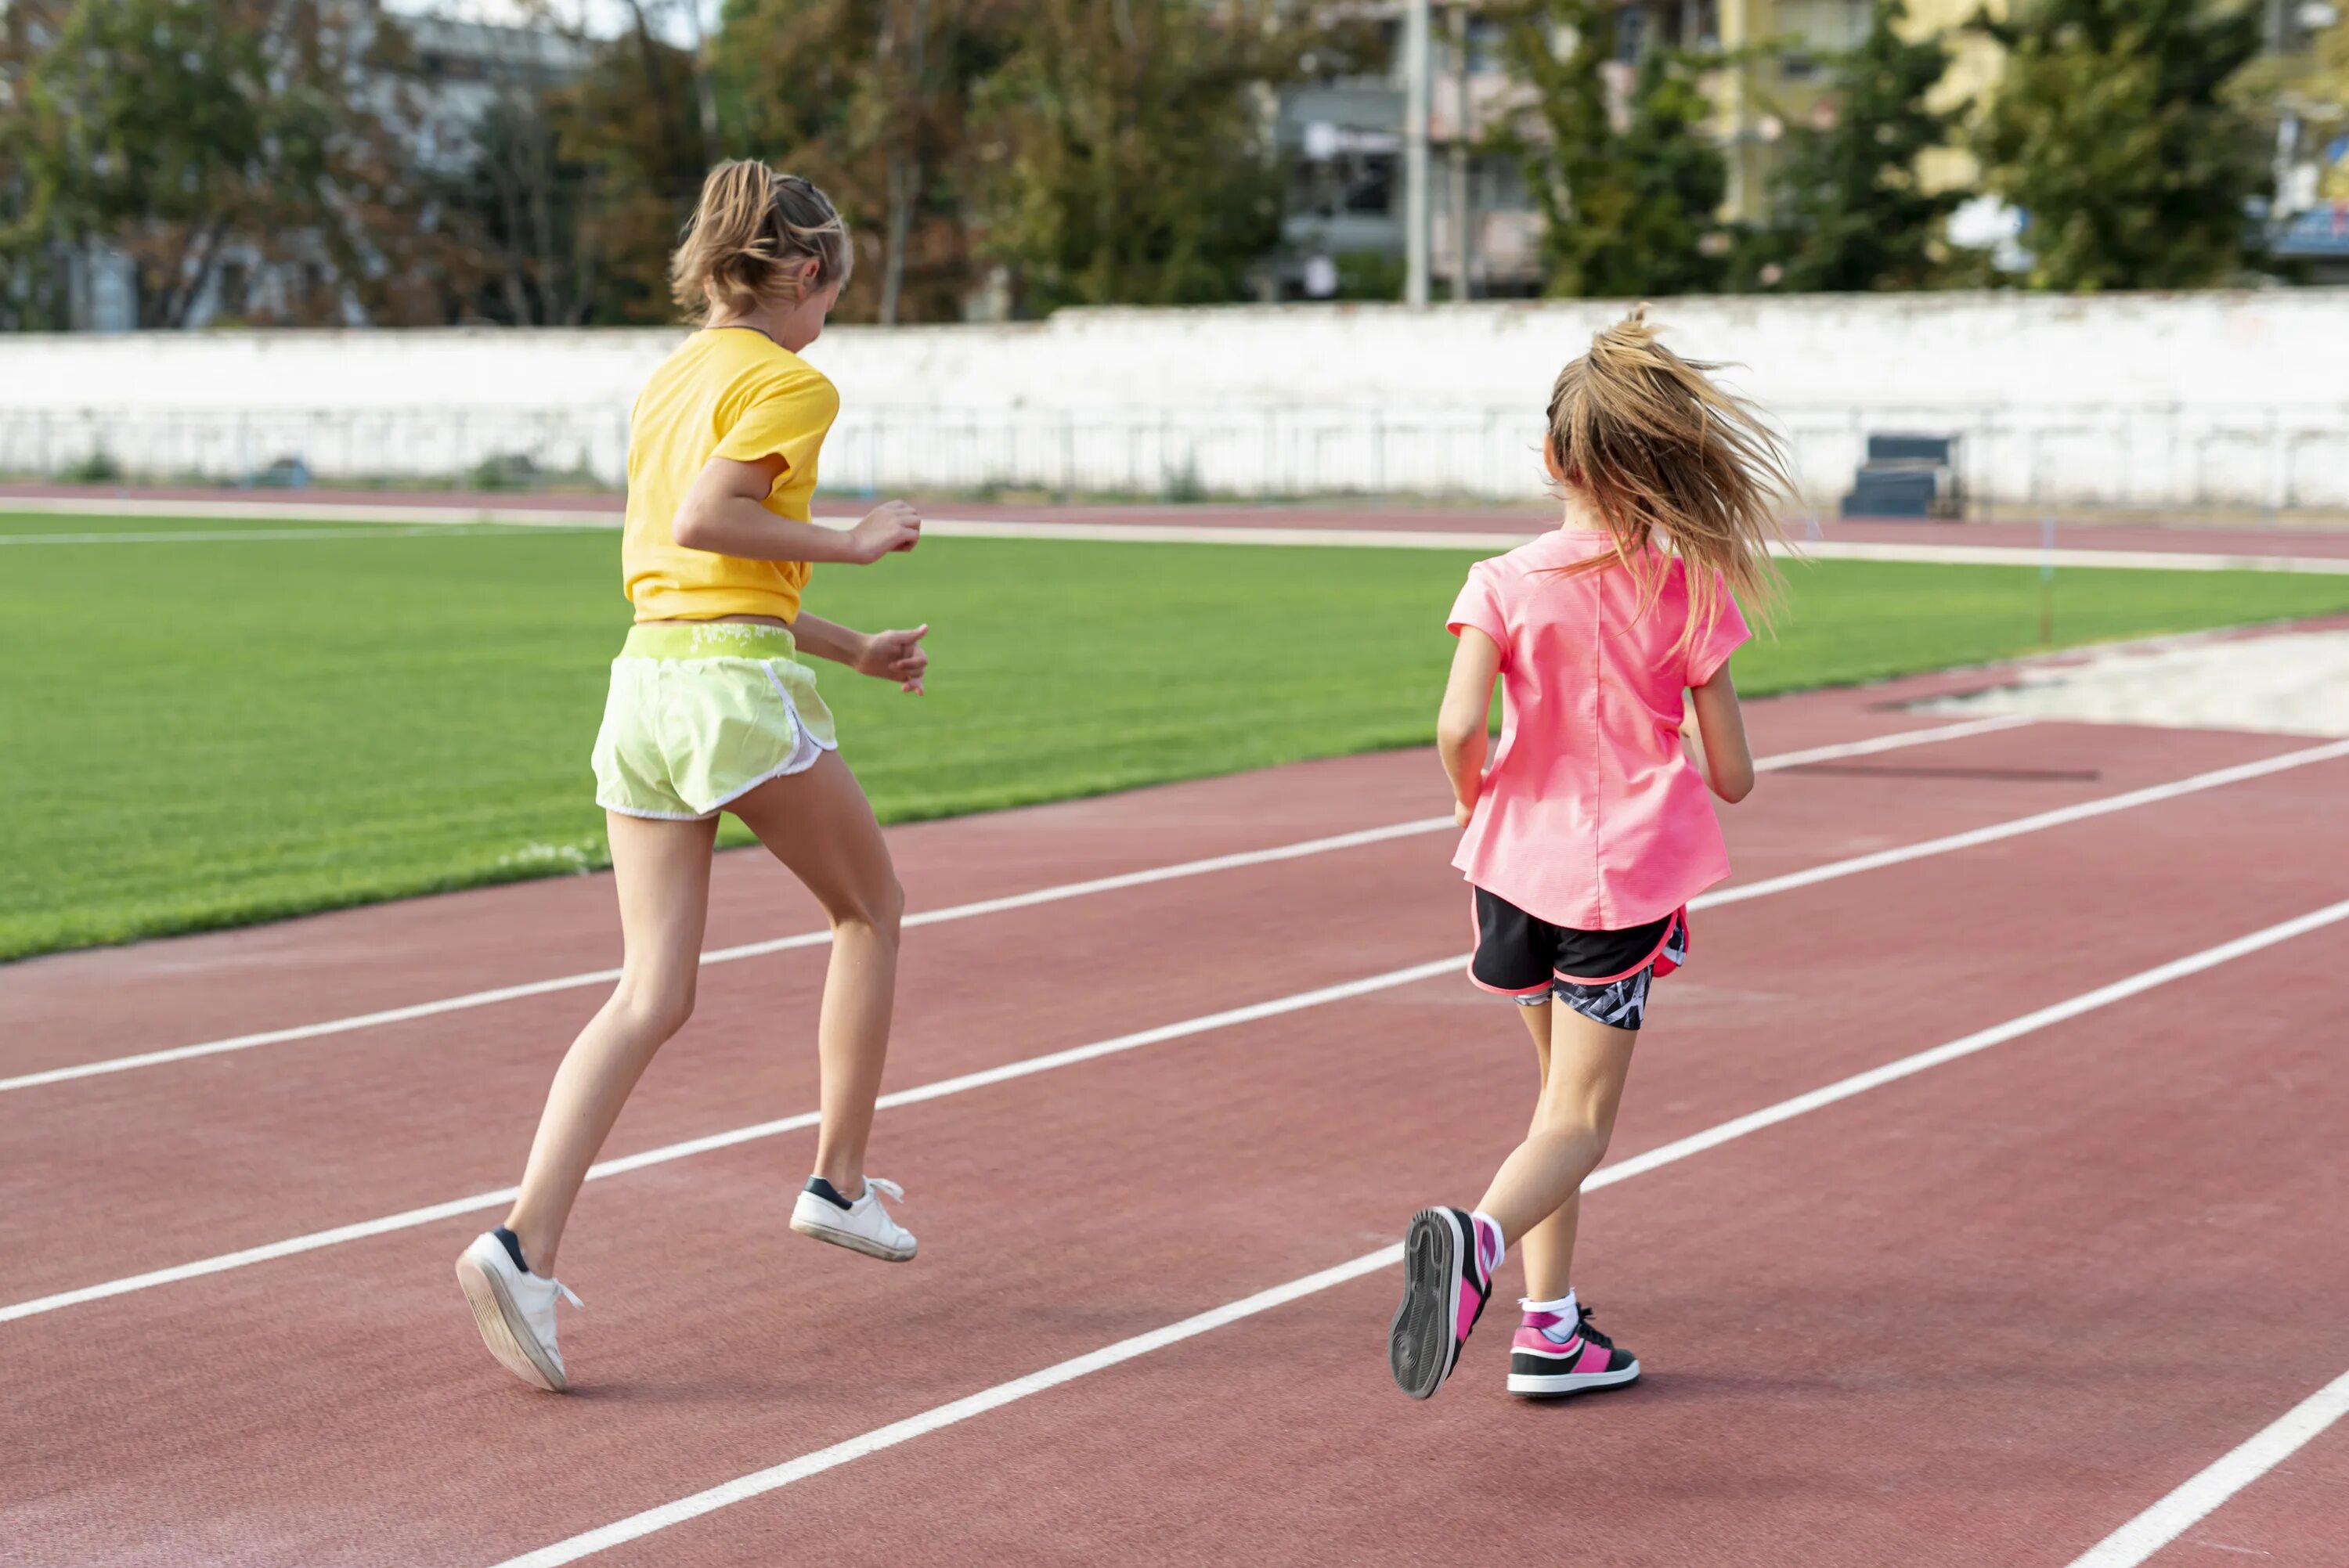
<point>758,1482</point>
<point>2201,1495</point>
<point>1298,851</point>
<point>265,535</point>
<point>1142,533</point>
<point>1031,1066</point>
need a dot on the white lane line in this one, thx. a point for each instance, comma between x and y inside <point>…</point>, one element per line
<point>2149,795</point>
<point>760,1482</point>
<point>1493,540</point>
<point>1027,1066</point>
<point>411,1218</point>
<point>1175,872</point>
<point>2187,1506</point>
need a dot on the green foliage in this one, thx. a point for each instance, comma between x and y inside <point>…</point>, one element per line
<point>1369,275</point>
<point>270,727</point>
<point>1124,153</point>
<point>870,99</point>
<point>98,469</point>
<point>188,133</point>
<point>1629,192</point>
<point>1851,214</point>
<point>2112,129</point>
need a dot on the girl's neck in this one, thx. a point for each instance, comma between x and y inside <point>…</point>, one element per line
<point>744,324</point>
<point>1581,514</point>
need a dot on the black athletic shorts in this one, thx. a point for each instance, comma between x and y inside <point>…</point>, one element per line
<point>1601,974</point>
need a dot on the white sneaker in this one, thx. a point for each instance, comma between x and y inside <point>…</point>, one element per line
<point>515,1310</point>
<point>863,1226</point>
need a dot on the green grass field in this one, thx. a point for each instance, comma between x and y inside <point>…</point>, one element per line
<point>208,733</point>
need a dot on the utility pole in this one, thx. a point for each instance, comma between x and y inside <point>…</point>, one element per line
<point>1415,42</point>
<point>1460,146</point>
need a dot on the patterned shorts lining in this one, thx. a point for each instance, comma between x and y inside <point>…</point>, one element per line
<point>1619,1004</point>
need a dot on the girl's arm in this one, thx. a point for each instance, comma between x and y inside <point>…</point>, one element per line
<point>1460,734</point>
<point>724,514</point>
<point>1721,748</point>
<point>886,656</point>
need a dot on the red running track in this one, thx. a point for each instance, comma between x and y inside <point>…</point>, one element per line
<point>1985,1314</point>
<point>2319,538</point>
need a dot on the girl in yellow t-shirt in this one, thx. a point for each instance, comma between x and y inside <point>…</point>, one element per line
<point>709,710</point>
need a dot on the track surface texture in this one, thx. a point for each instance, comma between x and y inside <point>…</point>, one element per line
<point>2318,538</point>
<point>1987,1309</point>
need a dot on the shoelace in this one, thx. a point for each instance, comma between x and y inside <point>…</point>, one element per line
<point>568,1293</point>
<point>885,1185</point>
<point>1591,1333</point>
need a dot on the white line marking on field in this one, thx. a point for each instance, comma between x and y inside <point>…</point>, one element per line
<point>265,535</point>
<point>964,1083</point>
<point>760,1482</point>
<point>314,511</point>
<point>928,917</point>
<point>2183,1509</point>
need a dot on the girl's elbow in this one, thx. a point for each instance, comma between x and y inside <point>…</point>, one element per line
<point>687,530</point>
<point>1735,786</point>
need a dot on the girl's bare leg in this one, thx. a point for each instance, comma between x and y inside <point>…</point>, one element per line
<point>819,825</point>
<point>1576,1116</point>
<point>662,873</point>
<point>1548,1247</point>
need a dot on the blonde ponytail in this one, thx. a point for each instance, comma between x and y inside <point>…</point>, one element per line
<point>1662,450</point>
<point>749,239</point>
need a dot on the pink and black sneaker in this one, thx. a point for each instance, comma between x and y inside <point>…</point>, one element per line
<point>1551,1356</point>
<point>1448,1258</point>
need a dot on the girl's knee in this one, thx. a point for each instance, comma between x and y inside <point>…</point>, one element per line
<point>656,1006</point>
<point>881,909</point>
<point>1579,1119</point>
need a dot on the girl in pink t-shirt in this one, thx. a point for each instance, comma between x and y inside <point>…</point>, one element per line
<point>1589,830</point>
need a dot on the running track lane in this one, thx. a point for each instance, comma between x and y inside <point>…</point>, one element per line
<point>1944,1325</point>
<point>703,1359</point>
<point>976,995</point>
<point>2290,1513</point>
<point>85,1007</point>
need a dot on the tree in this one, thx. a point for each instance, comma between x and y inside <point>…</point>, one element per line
<point>519,208</point>
<point>1629,186</point>
<point>197,136</point>
<point>2112,132</point>
<point>1851,212</point>
<point>1124,150</point>
<point>35,291</point>
<point>870,99</point>
<point>631,133</point>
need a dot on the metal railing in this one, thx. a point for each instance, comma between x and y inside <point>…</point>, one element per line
<point>2017,455</point>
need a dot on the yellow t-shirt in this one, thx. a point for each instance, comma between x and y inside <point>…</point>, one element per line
<point>727,392</point>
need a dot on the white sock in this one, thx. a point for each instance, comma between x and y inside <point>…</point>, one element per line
<point>1569,1312</point>
<point>1500,1247</point>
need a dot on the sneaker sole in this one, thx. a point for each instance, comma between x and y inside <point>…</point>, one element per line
<point>1420,1345</point>
<point>854,1243</point>
<point>496,1315</point>
<point>1553,1386</point>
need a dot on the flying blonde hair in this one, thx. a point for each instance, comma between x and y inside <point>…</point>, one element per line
<point>1664,452</point>
<point>747,242</point>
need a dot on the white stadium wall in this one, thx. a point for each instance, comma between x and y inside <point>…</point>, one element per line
<point>2223,398</point>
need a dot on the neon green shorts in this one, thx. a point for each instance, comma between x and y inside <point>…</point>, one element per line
<point>702,712</point>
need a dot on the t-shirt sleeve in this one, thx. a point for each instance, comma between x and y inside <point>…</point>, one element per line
<point>787,418</point>
<point>1714,645</point>
<point>1479,605</point>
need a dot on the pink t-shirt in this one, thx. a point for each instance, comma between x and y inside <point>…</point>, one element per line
<point>1592,815</point>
